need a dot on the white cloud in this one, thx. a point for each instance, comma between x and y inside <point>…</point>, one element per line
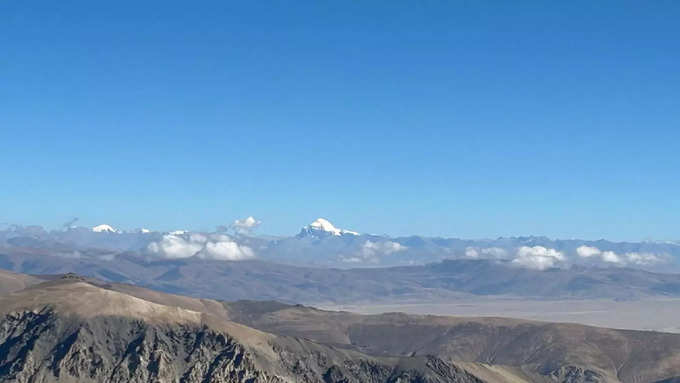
<point>370,252</point>
<point>621,259</point>
<point>471,252</point>
<point>220,237</point>
<point>220,247</point>
<point>370,248</point>
<point>227,251</point>
<point>538,257</point>
<point>246,225</point>
<point>587,251</point>
<point>591,251</point>
<point>611,257</point>
<point>644,258</point>
<point>488,252</point>
<point>199,238</point>
<point>175,246</point>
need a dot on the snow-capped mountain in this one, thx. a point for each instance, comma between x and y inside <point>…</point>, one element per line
<point>323,244</point>
<point>322,228</point>
<point>105,229</point>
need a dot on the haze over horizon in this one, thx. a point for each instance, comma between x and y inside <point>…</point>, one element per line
<point>458,119</point>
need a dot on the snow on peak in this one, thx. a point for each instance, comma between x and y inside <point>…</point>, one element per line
<point>350,232</point>
<point>104,229</point>
<point>322,225</point>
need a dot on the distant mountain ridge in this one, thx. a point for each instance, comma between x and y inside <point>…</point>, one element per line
<point>323,244</point>
<point>437,282</point>
<point>325,264</point>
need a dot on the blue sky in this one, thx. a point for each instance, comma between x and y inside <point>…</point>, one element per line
<point>467,119</point>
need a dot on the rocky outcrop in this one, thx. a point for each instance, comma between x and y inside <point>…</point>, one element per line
<point>43,346</point>
<point>47,346</point>
<point>574,374</point>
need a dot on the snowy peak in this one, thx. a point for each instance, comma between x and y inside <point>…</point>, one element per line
<point>104,229</point>
<point>322,227</point>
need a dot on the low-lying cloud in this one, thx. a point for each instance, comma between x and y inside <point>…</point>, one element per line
<point>245,225</point>
<point>214,246</point>
<point>486,253</point>
<point>635,258</point>
<point>371,251</point>
<point>538,257</point>
<point>542,258</point>
<point>371,248</point>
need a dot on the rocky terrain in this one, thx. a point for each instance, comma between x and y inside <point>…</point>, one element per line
<point>72,328</point>
<point>534,347</point>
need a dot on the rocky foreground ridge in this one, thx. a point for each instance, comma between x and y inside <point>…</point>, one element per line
<point>69,330</point>
<point>75,330</point>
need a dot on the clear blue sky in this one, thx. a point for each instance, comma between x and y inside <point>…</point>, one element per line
<point>467,119</point>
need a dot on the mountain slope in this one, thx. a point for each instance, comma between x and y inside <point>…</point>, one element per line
<point>71,330</point>
<point>10,282</point>
<point>535,347</point>
<point>77,329</point>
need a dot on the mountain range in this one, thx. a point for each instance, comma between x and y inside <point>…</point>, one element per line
<point>323,264</point>
<point>323,244</point>
<point>445,281</point>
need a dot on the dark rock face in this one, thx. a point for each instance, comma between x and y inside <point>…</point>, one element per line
<point>416,370</point>
<point>44,346</point>
<point>573,374</point>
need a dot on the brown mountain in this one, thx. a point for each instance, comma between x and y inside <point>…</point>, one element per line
<point>10,282</point>
<point>74,329</point>
<point>70,329</point>
<point>534,347</point>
